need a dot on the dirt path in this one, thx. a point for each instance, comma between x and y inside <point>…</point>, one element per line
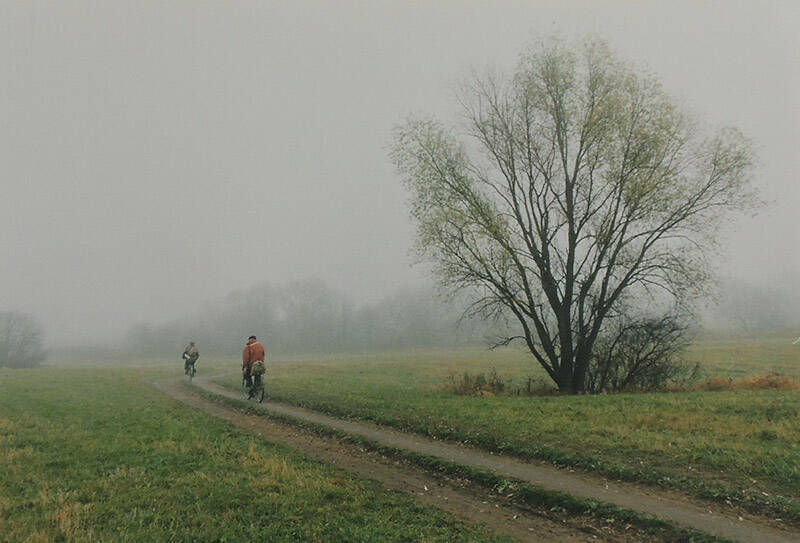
<point>667,506</point>
<point>498,517</point>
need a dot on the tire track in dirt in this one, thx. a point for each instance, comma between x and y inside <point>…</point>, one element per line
<point>498,517</point>
<point>663,505</point>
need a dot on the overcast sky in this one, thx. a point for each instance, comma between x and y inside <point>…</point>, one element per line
<point>157,155</point>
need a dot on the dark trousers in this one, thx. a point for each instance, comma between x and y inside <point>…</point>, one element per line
<point>248,379</point>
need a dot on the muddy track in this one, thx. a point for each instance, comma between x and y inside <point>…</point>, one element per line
<point>466,504</point>
<point>667,506</point>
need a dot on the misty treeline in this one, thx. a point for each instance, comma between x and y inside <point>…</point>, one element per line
<point>21,340</point>
<point>309,316</point>
<point>754,308</point>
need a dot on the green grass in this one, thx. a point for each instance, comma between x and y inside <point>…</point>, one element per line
<point>735,446</point>
<point>100,455</point>
<point>738,356</point>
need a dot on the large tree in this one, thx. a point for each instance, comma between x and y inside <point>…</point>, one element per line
<point>20,340</point>
<point>576,194</point>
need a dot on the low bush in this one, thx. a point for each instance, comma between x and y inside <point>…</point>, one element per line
<point>534,386</point>
<point>641,355</point>
<point>489,384</point>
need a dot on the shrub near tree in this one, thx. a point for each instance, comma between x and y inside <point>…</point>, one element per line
<point>579,201</point>
<point>20,340</point>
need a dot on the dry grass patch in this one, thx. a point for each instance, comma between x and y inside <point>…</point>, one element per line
<point>769,381</point>
<point>39,537</point>
<point>69,519</point>
<point>12,455</point>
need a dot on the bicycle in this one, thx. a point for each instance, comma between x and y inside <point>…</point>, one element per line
<point>256,391</point>
<point>190,371</point>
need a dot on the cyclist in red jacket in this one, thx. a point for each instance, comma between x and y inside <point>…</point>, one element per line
<point>252,352</point>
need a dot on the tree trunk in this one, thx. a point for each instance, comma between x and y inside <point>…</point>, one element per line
<point>570,378</point>
<point>579,377</point>
<point>564,379</point>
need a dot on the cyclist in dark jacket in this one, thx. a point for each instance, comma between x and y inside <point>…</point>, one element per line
<point>190,355</point>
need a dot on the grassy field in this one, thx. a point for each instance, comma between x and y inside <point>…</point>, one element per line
<point>100,455</point>
<point>729,356</point>
<point>742,446</point>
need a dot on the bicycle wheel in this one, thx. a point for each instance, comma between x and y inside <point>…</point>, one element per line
<point>260,393</point>
<point>258,388</point>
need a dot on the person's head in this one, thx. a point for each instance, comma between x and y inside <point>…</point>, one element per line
<point>191,343</point>
<point>251,337</point>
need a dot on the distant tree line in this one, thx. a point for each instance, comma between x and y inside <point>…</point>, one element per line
<point>309,316</point>
<point>756,307</point>
<point>21,340</point>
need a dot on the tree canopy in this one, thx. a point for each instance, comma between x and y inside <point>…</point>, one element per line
<point>578,198</point>
<point>21,340</point>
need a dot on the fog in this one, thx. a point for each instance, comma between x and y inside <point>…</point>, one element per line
<point>155,157</point>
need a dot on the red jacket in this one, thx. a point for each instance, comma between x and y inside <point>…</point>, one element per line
<point>253,351</point>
